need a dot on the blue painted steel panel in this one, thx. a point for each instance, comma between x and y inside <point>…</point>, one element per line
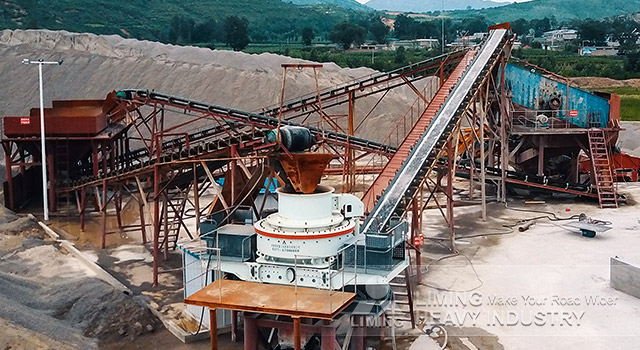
<point>533,91</point>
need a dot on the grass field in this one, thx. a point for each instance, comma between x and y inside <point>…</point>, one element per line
<point>630,102</point>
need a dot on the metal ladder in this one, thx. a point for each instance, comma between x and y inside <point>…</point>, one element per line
<point>402,292</point>
<point>602,173</point>
<point>170,220</point>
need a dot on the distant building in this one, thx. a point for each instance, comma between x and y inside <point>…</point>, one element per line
<point>373,47</point>
<point>598,51</point>
<point>468,40</point>
<point>555,40</point>
<point>427,44</point>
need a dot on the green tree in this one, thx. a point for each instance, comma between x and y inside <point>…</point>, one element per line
<point>180,30</point>
<point>400,55</point>
<point>632,61</point>
<point>346,33</point>
<point>474,25</point>
<point>405,27</point>
<point>236,32</point>
<point>593,31</point>
<point>379,30</point>
<point>206,32</point>
<point>307,35</point>
<point>540,25</point>
<point>428,29</point>
<point>520,26</point>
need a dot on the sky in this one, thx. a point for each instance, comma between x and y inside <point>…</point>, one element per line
<point>365,1</point>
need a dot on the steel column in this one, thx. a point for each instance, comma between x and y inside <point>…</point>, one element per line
<point>213,329</point>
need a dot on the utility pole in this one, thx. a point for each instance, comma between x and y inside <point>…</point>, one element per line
<point>442,14</point>
<point>45,197</point>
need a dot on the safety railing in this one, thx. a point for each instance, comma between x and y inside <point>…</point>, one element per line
<point>203,268</point>
<point>337,266</point>
<point>547,120</point>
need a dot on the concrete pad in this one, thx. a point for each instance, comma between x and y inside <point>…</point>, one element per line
<point>625,277</point>
<point>546,288</point>
<point>424,342</point>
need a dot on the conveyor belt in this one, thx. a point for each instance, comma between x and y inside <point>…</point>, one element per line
<point>135,161</point>
<point>398,158</point>
<point>331,97</point>
<point>424,154</point>
<point>529,180</point>
<point>139,161</point>
<point>259,120</point>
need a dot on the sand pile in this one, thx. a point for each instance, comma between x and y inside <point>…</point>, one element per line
<point>604,83</point>
<point>94,65</point>
<point>51,301</point>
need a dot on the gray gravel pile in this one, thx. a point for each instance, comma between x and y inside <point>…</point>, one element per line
<point>71,310</point>
<point>52,298</point>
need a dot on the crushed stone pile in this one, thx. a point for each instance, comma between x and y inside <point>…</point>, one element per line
<point>6,215</point>
<point>51,301</point>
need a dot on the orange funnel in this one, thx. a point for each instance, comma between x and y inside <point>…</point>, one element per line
<point>305,169</point>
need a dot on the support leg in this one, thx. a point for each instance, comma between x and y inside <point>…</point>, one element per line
<point>234,326</point>
<point>83,207</point>
<point>250,333</point>
<point>104,215</point>
<point>118,203</point>
<point>297,341</point>
<point>143,224</point>
<point>213,329</point>
<point>357,342</point>
<point>156,223</point>
<point>450,171</point>
<point>328,337</point>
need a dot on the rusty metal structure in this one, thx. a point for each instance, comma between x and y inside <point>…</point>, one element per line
<point>501,127</point>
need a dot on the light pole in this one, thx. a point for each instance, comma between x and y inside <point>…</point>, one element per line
<point>442,13</point>
<point>45,198</point>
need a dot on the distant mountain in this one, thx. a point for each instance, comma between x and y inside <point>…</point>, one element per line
<point>562,10</point>
<point>430,5</point>
<point>349,4</point>
<point>154,20</point>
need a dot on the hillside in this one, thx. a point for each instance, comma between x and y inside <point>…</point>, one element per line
<point>144,19</point>
<point>562,10</point>
<point>430,5</point>
<point>349,4</point>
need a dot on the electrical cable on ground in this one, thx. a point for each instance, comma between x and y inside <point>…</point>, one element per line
<point>510,229</point>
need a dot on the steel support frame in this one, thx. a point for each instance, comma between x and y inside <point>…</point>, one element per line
<point>297,327</point>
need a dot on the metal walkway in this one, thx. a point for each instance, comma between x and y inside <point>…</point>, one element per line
<point>397,196</point>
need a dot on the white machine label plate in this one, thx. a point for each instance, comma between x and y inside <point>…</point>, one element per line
<point>286,248</point>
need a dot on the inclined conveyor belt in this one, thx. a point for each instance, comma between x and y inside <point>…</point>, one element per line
<point>425,152</point>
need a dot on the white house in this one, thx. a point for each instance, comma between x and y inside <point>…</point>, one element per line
<point>415,44</point>
<point>556,39</point>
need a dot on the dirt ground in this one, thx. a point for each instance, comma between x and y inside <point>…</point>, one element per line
<point>604,83</point>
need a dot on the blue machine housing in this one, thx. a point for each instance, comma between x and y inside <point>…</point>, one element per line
<point>534,91</point>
